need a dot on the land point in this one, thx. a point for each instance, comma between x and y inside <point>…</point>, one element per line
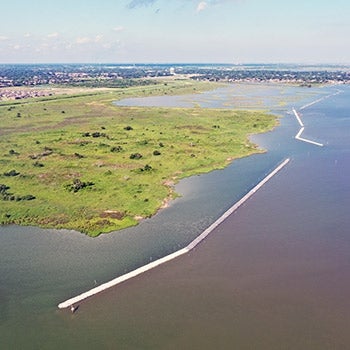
<point>76,161</point>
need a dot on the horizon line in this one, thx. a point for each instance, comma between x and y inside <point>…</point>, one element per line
<point>182,63</point>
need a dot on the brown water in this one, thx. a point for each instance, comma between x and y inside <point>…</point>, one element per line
<point>275,275</point>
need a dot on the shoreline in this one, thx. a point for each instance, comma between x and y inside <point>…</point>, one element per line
<point>76,151</point>
<point>70,302</point>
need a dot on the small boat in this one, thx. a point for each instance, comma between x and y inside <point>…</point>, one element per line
<point>73,308</point>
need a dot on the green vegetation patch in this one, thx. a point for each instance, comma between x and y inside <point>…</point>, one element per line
<point>97,167</point>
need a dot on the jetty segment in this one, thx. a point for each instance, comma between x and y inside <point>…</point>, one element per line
<point>298,135</point>
<point>297,116</point>
<point>75,300</point>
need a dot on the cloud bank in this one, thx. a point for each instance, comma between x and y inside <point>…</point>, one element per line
<point>137,3</point>
<point>201,5</point>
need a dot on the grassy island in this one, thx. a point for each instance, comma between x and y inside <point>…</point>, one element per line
<point>76,161</point>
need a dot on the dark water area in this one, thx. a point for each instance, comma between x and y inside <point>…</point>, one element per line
<point>275,275</point>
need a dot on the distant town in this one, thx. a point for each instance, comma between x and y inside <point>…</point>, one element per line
<point>39,76</point>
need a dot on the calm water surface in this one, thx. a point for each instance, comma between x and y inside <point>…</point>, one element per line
<point>275,275</point>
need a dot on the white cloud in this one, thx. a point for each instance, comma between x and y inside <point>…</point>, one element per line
<point>118,29</point>
<point>3,38</point>
<point>86,40</point>
<point>53,35</point>
<point>136,3</point>
<point>202,6</point>
<point>83,40</point>
<point>112,45</point>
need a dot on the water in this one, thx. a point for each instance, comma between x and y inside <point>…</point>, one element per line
<point>256,96</point>
<point>274,276</point>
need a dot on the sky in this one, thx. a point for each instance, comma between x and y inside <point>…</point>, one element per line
<point>175,31</point>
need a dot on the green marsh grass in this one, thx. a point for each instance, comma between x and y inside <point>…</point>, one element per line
<point>59,140</point>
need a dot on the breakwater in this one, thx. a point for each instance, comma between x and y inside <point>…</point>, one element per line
<point>321,99</point>
<point>188,248</point>
<point>298,135</point>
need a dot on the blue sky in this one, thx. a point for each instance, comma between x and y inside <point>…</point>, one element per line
<point>170,31</point>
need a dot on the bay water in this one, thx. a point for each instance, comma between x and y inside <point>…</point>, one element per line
<point>275,275</point>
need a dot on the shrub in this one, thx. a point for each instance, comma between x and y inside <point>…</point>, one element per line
<point>78,155</point>
<point>156,153</point>
<point>94,134</point>
<point>128,128</point>
<point>27,197</point>
<point>46,152</point>
<point>117,149</point>
<point>78,185</point>
<point>11,173</point>
<point>98,134</point>
<point>6,196</point>
<point>135,156</point>
<point>3,188</point>
<point>147,167</point>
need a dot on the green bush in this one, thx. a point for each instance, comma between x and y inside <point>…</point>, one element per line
<point>78,185</point>
<point>11,173</point>
<point>116,149</point>
<point>135,156</point>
